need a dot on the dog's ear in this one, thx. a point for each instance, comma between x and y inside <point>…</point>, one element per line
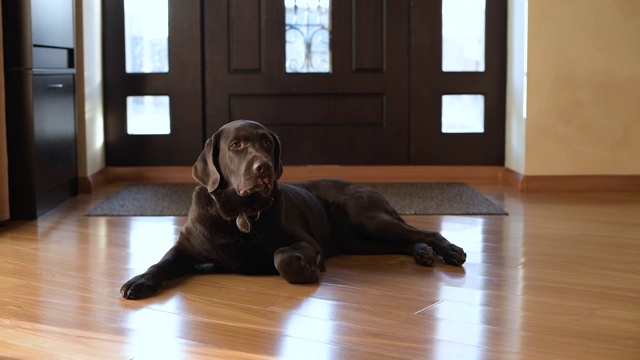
<point>204,170</point>
<point>276,155</point>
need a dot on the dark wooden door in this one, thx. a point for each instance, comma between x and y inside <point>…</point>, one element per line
<point>384,100</point>
<point>356,114</point>
<point>176,89</point>
<point>432,86</point>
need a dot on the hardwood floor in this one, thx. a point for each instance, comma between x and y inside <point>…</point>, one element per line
<point>556,279</point>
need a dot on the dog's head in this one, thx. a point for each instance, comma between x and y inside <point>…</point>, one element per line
<point>243,156</point>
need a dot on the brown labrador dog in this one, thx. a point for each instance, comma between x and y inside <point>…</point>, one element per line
<point>243,221</point>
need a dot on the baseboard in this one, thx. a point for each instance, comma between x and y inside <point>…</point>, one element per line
<point>469,174</point>
<point>166,174</point>
<point>576,183</point>
<point>88,184</point>
<point>393,173</point>
<point>473,174</point>
<point>511,178</point>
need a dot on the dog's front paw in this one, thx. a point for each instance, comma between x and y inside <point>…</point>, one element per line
<point>424,254</point>
<point>292,268</point>
<point>453,254</point>
<point>139,287</point>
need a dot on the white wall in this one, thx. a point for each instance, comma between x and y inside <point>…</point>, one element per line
<point>91,156</point>
<point>515,142</point>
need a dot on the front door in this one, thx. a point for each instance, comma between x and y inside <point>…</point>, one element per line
<point>329,77</point>
<point>340,81</point>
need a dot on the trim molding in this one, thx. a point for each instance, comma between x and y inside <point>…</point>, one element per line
<point>88,184</point>
<point>392,173</point>
<point>474,174</point>
<point>168,174</point>
<point>580,183</point>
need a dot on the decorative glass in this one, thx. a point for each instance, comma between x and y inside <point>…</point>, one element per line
<point>463,35</point>
<point>463,113</point>
<point>146,31</point>
<point>148,115</point>
<point>307,36</point>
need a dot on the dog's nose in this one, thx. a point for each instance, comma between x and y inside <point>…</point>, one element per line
<point>262,167</point>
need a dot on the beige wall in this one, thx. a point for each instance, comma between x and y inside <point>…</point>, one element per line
<point>583,89</point>
<point>91,156</point>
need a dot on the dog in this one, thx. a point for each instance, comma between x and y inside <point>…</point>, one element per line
<point>242,220</point>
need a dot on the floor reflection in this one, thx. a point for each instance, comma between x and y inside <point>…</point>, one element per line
<point>149,239</point>
<point>155,334</point>
<point>309,327</point>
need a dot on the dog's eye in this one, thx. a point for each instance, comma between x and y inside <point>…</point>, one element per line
<point>268,143</point>
<point>235,145</point>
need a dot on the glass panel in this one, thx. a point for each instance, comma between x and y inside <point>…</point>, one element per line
<point>463,35</point>
<point>148,115</point>
<point>307,36</point>
<point>462,113</point>
<point>146,31</point>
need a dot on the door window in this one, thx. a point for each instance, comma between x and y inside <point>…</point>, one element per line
<point>308,36</point>
<point>146,31</point>
<point>463,113</point>
<point>463,35</point>
<point>148,115</point>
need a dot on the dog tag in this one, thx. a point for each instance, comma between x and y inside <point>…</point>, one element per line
<point>243,223</point>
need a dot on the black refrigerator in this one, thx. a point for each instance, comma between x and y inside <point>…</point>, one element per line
<point>39,57</point>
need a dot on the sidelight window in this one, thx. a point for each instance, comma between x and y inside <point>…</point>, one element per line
<point>148,115</point>
<point>463,35</point>
<point>146,28</point>
<point>307,36</point>
<point>463,113</point>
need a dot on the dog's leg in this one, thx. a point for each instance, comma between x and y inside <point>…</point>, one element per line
<point>382,231</point>
<point>298,263</point>
<point>175,263</point>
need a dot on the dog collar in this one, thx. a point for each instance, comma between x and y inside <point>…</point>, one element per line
<point>243,222</point>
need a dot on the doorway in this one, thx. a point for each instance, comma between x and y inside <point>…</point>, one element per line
<point>370,82</point>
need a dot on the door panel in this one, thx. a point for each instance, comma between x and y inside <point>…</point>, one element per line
<point>429,145</point>
<point>183,85</point>
<point>357,114</point>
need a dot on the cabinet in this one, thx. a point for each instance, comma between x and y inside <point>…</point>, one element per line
<point>40,104</point>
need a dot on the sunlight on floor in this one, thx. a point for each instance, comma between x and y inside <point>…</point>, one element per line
<point>149,239</point>
<point>310,326</point>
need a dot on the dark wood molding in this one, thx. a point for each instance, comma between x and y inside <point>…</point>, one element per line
<point>570,183</point>
<point>469,174</point>
<point>391,173</point>
<point>580,183</point>
<point>511,178</point>
<point>88,184</point>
